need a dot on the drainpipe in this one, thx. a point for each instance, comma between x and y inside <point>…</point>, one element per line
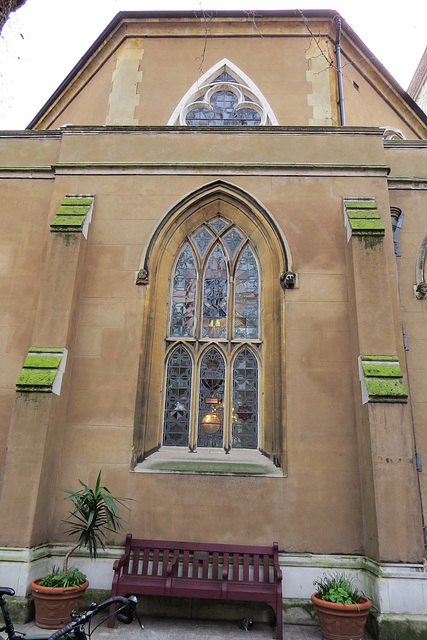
<point>339,70</point>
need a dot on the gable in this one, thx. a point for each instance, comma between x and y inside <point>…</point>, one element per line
<point>125,79</point>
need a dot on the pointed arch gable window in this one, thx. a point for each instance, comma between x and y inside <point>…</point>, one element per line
<point>225,310</point>
<point>223,96</point>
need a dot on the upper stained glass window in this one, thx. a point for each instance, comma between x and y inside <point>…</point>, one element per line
<point>224,109</point>
<point>224,102</point>
<point>223,96</point>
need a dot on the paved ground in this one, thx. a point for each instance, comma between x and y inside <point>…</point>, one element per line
<point>184,629</point>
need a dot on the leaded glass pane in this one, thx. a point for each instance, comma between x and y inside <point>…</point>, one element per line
<point>211,400</point>
<point>233,239</point>
<point>246,297</point>
<point>202,238</point>
<point>176,424</point>
<point>248,117</point>
<point>225,77</point>
<point>184,295</point>
<point>215,286</point>
<point>223,112</point>
<point>218,224</point>
<point>245,401</point>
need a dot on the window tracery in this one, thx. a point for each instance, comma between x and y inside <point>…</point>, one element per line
<point>225,309</point>
<point>223,96</point>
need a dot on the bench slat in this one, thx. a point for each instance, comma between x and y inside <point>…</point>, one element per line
<point>156,554</point>
<point>185,564</point>
<point>256,567</point>
<point>135,561</point>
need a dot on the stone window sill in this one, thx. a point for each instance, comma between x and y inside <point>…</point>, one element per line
<point>239,462</point>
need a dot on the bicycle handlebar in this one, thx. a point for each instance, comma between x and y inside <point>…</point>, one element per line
<point>84,618</point>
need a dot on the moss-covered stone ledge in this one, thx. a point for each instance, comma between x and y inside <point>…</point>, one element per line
<point>74,214</point>
<point>42,371</point>
<point>361,218</point>
<point>381,379</point>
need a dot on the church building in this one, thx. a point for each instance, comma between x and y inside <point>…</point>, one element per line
<point>213,289</point>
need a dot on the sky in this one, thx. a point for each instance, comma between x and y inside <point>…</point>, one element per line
<point>45,39</point>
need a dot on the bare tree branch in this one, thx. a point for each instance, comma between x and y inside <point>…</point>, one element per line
<point>6,7</point>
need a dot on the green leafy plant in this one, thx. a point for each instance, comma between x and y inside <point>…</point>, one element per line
<point>338,588</point>
<point>94,512</point>
<point>57,578</point>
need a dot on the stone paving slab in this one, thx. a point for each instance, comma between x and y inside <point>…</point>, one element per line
<point>190,629</point>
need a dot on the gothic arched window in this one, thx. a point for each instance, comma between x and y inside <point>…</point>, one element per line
<point>213,361</point>
<point>211,383</point>
<point>223,96</point>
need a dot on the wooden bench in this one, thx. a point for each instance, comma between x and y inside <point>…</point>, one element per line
<point>197,570</point>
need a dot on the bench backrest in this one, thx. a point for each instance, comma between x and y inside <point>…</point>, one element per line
<point>202,561</point>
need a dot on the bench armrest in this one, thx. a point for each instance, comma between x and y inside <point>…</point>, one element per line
<point>121,562</point>
<point>173,564</point>
<point>171,569</point>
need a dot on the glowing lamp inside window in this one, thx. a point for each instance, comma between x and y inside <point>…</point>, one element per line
<point>211,423</point>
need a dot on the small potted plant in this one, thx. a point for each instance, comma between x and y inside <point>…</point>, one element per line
<point>93,513</point>
<point>341,609</point>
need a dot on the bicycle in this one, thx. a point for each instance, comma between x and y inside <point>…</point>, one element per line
<point>75,630</point>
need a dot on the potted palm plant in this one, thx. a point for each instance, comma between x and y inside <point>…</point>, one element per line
<point>341,609</point>
<point>93,513</point>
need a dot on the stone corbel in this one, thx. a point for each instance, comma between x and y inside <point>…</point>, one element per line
<point>289,280</point>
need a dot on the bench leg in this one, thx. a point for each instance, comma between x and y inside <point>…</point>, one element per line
<point>279,622</point>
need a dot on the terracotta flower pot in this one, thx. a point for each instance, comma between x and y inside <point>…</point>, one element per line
<point>342,621</point>
<point>54,604</point>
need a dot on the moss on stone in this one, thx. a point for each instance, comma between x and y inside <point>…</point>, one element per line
<point>72,211</point>
<point>360,204</point>
<point>77,201</point>
<point>383,370</point>
<point>371,239</point>
<point>377,358</point>
<point>42,362</point>
<point>366,224</point>
<point>35,378</point>
<point>386,387</point>
<point>398,627</point>
<point>365,214</point>
<point>69,235</point>
<point>68,221</point>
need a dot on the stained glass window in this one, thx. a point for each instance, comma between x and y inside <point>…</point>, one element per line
<point>233,239</point>
<point>211,400</point>
<point>223,111</point>
<point>227,307</point>
<point>246,297</point>
<point>218,224</point>
<point>178,397</point>
<point>215,285</point>
<point>202,238</point>
<point>184,295</point>
<point>245,400</point>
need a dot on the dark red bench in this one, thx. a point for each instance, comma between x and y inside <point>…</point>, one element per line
<point>197,570</point>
